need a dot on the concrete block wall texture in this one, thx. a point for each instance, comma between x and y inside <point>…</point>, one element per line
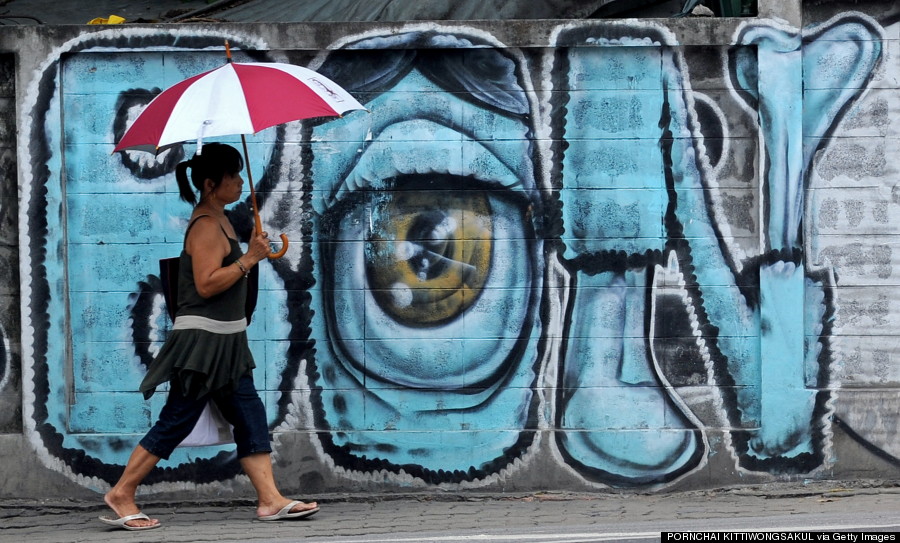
<point>640,255</point>
<point>10,378</point>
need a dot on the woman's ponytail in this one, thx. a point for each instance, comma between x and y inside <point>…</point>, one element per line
<point>184,186</point>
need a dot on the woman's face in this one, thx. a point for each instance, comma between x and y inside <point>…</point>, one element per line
<point>229,190</point>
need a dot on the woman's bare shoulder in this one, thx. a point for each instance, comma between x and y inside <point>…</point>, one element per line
<point>204,233</point>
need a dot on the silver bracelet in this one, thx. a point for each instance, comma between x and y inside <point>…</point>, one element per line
<point>244,270</point>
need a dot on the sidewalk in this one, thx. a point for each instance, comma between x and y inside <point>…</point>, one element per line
<point>536,517</point>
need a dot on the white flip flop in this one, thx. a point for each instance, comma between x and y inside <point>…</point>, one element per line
<point>285,512</point>
<point>120,522</point>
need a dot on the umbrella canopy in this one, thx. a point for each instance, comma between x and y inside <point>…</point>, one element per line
<point>236,98</point>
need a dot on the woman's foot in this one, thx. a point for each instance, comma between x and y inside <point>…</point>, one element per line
<point>289,509</point>
<point>123,506</point>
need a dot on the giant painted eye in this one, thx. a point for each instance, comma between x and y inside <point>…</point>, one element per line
<point>429,254</point>
<point>428,286</point>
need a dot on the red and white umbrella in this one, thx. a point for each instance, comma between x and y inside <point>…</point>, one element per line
<point>236,98</point>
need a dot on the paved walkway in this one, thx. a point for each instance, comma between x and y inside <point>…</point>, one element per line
<point>500,518</point>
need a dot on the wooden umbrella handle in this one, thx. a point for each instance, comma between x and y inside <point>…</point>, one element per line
<point>284,248</point>
<point>257,220</point>
<point>284,238</point>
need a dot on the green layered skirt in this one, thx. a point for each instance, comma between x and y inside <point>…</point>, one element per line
<point>201,362</point>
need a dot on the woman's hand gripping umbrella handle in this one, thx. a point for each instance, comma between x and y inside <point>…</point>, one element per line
<point>284,239</point>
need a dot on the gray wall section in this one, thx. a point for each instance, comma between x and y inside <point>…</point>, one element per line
<point>10,369</point>
<point>680,236</point>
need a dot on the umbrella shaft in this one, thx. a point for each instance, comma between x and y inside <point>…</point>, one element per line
<point>252,190</point>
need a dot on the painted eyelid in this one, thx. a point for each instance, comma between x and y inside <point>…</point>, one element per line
<point>369,174</point>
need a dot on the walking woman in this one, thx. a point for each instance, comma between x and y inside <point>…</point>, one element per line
<point>206,357</point>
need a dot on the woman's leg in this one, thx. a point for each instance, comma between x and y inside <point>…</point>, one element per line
<point>176,420</point>
<point>258,467</point>
<point>120,498</point>
<point>245,411</point>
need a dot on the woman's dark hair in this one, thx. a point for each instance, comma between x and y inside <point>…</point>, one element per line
<point>215,160</point>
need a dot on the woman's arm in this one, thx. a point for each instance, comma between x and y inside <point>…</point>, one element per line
<point>208,246</point>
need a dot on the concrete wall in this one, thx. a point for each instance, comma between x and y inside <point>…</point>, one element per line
<point>574,255</point>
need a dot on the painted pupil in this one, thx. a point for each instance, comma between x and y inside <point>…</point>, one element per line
<point>429,254</point>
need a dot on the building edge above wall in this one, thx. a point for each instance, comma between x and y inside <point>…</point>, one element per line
<point>523,33</point>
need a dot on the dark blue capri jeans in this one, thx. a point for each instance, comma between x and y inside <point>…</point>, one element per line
<point>242,408</point>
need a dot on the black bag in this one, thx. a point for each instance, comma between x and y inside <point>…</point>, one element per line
<point>168,274</point>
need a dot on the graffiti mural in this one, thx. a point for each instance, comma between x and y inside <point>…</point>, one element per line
<point>568,259</point>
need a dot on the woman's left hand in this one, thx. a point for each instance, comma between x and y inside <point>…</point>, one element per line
<point>258,248</point>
